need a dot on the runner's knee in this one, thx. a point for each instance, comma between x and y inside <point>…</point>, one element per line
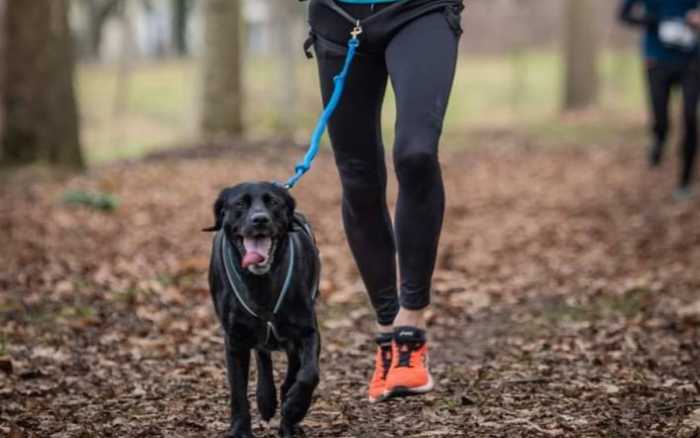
<point>363,184</point>
<point>416,161</point>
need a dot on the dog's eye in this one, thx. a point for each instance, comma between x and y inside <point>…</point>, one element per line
<point>270,200</point>
<point>242,202</point>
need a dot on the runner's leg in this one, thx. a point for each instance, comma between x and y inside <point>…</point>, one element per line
<point>355,132</point>
<point>691,95</point>
<point>421,60</point>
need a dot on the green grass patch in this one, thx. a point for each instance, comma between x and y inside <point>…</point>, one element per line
<point>97,201</point>
<point>130,297</point>
<point>630,304</point>
<point>604,306</point>
<point>40,313</point>
<point>77,312</point>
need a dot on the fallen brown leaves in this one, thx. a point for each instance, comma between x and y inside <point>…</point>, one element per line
<point>565,302</point>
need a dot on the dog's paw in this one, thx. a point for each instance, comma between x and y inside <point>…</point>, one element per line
<point>238,434</point>
<point>239,430</point>
<point>297,403</point>
<point>288,430</point>
<point>294,410</point>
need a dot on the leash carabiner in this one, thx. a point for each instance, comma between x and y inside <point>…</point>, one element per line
<point>356,31</point>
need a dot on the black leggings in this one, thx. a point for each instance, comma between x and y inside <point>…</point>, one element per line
<point>419,58</point>
<point>662,78</point>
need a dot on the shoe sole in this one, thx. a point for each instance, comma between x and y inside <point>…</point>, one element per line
<point>405,391</point>
<point>379,399</point>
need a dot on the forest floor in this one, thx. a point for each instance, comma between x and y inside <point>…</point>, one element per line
<point>565,300</point>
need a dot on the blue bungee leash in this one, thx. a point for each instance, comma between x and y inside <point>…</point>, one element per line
<point>339,84</point>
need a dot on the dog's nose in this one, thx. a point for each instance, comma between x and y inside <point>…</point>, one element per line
<point>260,219</point>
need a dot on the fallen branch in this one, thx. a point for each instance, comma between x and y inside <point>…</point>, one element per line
<point>677,407</point>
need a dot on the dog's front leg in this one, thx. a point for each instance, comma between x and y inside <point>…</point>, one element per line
<point>237,365</point>
<point>265,393</point>
<point>298,399</point>
<point>293,366</point>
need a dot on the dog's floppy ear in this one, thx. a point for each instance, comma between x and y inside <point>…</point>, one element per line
<point>218,214</point>
<point>291,204</point>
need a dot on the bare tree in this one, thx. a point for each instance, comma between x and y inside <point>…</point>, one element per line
<point>39,104</point>
<point>222,97</point>
<point>181,10</point>
<point>581,49</point>
<point>3,61</point>
<point>98,12</point>
<point>286,31</point>
<point>121,93</point>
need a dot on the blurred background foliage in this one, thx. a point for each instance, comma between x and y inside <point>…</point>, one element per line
<point>141,67</point>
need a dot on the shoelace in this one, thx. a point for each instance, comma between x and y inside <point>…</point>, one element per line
<point>406,351</point>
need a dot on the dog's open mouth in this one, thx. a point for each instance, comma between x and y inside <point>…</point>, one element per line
<point>257,253</point>
<point>257,250</point>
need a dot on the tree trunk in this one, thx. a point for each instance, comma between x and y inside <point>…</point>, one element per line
<point>41,114</point>
<point>222,94</point>
<point>181,10</point>
<point>285,31</point>
<point>581,48</point>
<point>99,11</point>
<point>3,61</point>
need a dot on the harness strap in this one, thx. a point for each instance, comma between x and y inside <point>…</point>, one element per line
<point>306,228</point>
<point>340,11</point>
<point>365,21</point>
<point>237,284</point>
<point>288,279</point>
<point>239,288</point>
<point>233,277</point>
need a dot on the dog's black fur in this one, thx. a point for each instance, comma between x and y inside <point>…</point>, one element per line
<point>295,323</point>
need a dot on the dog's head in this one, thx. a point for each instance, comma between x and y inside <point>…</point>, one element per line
<point>255,218</point>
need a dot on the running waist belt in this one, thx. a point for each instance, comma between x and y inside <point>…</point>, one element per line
<point>367,2</point>
<point>379,26</point>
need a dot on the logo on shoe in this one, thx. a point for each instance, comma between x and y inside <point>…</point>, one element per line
<point>405,333</point>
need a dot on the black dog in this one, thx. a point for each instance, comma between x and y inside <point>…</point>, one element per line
<point>263,275</point>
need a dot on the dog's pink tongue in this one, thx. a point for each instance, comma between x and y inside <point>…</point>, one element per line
<point>251,258</point>
<point>256,250</point>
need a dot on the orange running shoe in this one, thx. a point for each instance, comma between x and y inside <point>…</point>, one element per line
<point>382,362</point>
<point>409,374</point>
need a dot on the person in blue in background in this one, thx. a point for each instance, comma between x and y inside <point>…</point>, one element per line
<point>672,56</point>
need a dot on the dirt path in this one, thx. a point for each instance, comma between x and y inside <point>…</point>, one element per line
<point>565,303</point>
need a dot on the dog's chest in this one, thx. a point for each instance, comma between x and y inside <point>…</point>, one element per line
<point>272,312</point>
<point>262,335</point>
